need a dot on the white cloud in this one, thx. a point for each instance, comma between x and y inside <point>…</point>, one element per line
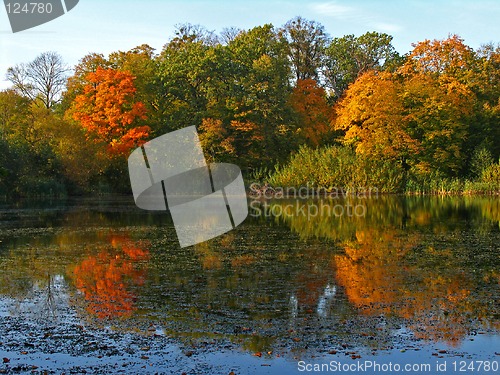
<point>363,16</point>
<point>333,9</point>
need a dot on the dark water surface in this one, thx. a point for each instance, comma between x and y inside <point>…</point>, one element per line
<point>103,287</point>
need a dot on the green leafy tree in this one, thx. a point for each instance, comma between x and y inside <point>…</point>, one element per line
<point>14,115</point>
<point>185,71</point>
<point>485,83</point>
<point>348,57</point>
<point>255,110</point>
<point>306,41</point>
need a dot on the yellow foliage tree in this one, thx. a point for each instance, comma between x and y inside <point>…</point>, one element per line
<point>372,116</point>
<point>418,119</point>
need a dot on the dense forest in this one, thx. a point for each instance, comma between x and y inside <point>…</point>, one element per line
<point>292,106</point>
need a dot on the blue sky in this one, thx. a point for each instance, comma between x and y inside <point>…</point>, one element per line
<point>110,25</point>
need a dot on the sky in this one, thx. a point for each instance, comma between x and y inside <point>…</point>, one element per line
<point>105,26</point>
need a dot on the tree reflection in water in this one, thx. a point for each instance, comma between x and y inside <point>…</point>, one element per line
<point>424,265</point>
<point>105,279</point>
<point>412,261</point>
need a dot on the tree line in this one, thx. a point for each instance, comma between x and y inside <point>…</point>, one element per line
<point>261,98</point>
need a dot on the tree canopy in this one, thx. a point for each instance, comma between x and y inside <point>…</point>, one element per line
<point>257,97</point>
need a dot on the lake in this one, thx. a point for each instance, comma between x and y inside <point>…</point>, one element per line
<point>303,285</point>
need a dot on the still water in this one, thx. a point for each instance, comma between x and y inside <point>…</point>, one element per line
<point>302,282</point>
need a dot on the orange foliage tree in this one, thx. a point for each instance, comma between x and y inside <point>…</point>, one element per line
<point>419,119</point>
<point>309,102</point>
<point>372,116</point>
<point>437,114</point>
<point>450,57</point>
<point>107,110</point>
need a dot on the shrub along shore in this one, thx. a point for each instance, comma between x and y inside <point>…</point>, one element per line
<point>334,169</point>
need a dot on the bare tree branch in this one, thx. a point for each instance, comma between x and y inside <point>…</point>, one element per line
<point>44,78</point>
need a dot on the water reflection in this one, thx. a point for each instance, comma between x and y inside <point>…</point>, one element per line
<point>428,266</point>
<point>105,279</point>
<point>325,300</point>
<point>433,262</point>
<point>32,280</point>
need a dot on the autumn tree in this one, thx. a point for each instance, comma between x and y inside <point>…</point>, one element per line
<point>314,114</point>
<point>141,62</point>
<point>485,128</point>
<point>487,81</point>
<point>216,142</point>
<point>108,111</point>
<point>420,121</point>
<point>437,115</point>
<point>76,83</point>
<point>450,57</point>
<point>42,80</point>
<point>372,116</point>
<point>458,68</point>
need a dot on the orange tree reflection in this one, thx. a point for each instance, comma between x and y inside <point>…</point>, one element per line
<point>410,260</point>
<point>105,279</point>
